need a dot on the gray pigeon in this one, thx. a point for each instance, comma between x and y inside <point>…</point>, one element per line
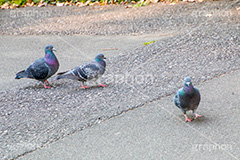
<point>88,71</point>
<point>188,98</point>
<point>43,68</point>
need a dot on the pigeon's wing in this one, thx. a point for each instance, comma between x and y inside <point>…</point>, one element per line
<point>179,102</point>
<point>198,93</point>
<point>38,70</point>
<point>72,74</point>
<point>84,72</point>
<point>177,99</point>
<point>90,71</point>
<point>197,98</point>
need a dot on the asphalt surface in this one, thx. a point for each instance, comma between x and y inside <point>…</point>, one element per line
<point>157,130</point>
<point>197,40</point>
<point>71,51</point>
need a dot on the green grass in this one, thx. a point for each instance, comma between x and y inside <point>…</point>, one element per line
<point>20,2</point>
<point>2,2</point>
<point>23,2</point>
<point>36,1</point>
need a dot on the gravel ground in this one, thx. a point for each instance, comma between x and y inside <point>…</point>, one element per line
<point>208,46</point>
<point>116,20</point>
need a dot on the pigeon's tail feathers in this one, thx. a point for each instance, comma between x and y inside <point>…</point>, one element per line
<point>70,75</point>
<point>21,74</point>
<point>60,73</point>
<point>173,98</point>
<point>59,77</point>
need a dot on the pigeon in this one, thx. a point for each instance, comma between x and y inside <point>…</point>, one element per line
<point>88,71</point>
<point>188,98</point>
<point>43,68</point>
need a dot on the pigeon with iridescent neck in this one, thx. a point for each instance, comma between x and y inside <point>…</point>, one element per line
<point>188,98</point>
<point>86,72</point>
<point>43,68</point>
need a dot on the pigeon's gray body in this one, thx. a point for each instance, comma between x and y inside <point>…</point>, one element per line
<point>188,97</point>
<point>38,70</point>
<point>88,71</point>
<point>189,100</point>
<point>43,68</point>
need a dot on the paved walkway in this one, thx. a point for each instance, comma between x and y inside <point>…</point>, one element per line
<point>200,40</point>
<point>75,50</point>
<point>158,131</point>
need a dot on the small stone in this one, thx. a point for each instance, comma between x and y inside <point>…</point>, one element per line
<point>5,133</point>
<point>209,15</point>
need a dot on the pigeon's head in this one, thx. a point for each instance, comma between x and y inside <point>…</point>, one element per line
<point>187,81</point>
<point>49,48</point>
<point>100,57</point>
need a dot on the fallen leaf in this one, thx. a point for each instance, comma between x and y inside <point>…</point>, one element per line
<point>154,1</point>
<point>80,4</point>
<point>147,43</point>
<point>59,4</point>
<point>30,4</point>
<point>42,4</point>
<point>5,6</point>
<point>128,6</point>
<point>94,4</point>
<point>67,4</point>
<point>172,3</point>
<point>12,7</point>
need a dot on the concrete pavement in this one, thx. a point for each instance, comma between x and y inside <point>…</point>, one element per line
<point>157,130</point>
<point>71,51</point>
<point>205,45</point>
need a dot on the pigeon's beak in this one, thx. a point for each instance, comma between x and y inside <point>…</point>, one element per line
<point>54,49</point>
<point>104,58</point>
<point>187,83</point>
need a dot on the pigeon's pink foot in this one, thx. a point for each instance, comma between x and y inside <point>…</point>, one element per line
<point>45,86</point>
<point>85,87</point>
<point>46,81</point>
<point>197,115</point>
<point>102,85</point>
<point>187,119</point>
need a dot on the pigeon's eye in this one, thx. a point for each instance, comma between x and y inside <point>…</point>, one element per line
<point>49,48</point>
